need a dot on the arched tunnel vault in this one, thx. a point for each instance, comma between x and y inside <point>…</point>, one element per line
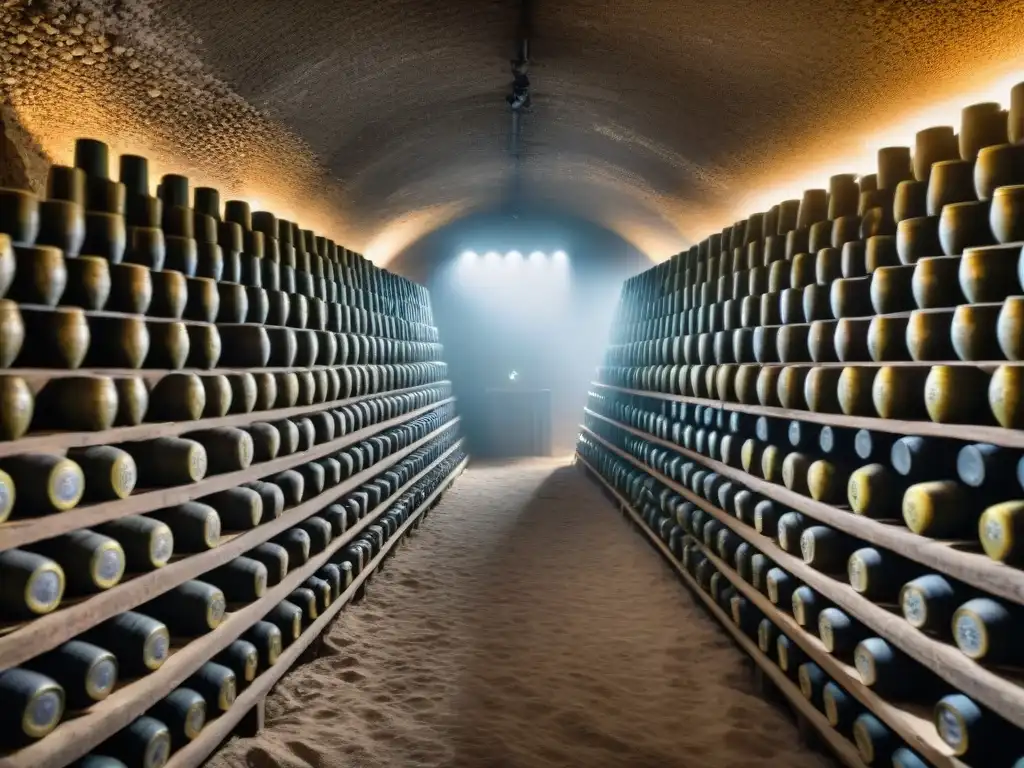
<point>377,121</point>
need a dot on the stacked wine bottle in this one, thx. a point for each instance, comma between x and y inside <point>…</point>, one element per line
<point>213,427</point>
<point>817,414</point>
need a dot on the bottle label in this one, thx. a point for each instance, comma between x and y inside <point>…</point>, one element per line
<point>784,537</point>
<point>215,610</point>
<point>124,476</point>
<point>865,666</point>
<point>195,720</point>
<point>109,566</point>
<point>197,462</point>
<point>825,633</point>
<point>161,547</point>
<point>798,609</point>
<point>44,711</point>
<point>159,750</point>
<point>830,707</point>
<point>970,635</point>
<point>227,693</point>
<point>864,744</point>
<point>102,678</point>
<point>252,660</point>
<point>950,730</point>
<point>856,573</point>
<point>915,609</point>
<point>6,498</point>
<point>45,590</point>
<point>158,646</point>
<point>783,653</point>
<point>211,530</point>
<point>66,485</point>
<point>806,688</point>
<point>992,532</point>
<point>807,546</point>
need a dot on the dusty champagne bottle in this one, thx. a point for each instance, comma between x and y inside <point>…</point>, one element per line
<point>889,672</point>
<point>790,656</point>
<point>45,484</point>
<point>243,580</point>
<point>33,706</point>
<point>266,637</point>
<point>167,461</point>
<point>984,628</point>
<point>321,589</point>
<point>239,509</point>
<point>140,643</point>
<point>807,604</point>
<point>274,557</point>
<point>109,473</point>
<point>143,743</point>
<point>183,711</point>
<point>879,575</point>
<point>319,531</point>
<point>189,609</point>
<point>216,684</point>
<point>929,602</point>
<point>332,574</point>
<point>875,742</point>
<point>91,561</point>
<point>790,528</point>
<point>812,683</point>
<point>841,709</point>
<point>287,617</point>
<point>243,658</point>
<point>296,541</point>
<point>147,542</point>
<point>86,672</point>
<point>1001,531</point>
<point>974,733</point>
<point>195,526</point>
<point>839,632</point>
<point>272,496</point>
<point>30,584</point>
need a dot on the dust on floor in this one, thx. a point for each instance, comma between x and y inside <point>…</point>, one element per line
<point>524,626</point>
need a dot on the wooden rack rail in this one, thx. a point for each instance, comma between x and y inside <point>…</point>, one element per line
<point>77,736</point>
<point>842,748</point>
<point>1001,695</point>
<point>1010,438</point>
<point>49,631</point>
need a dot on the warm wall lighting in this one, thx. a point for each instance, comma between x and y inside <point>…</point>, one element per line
<point>862,156</point>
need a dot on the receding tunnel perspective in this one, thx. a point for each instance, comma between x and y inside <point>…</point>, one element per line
<point>511,383</point>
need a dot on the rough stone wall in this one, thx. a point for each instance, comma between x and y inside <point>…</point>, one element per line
<point>119,71</point>
<point>376,121</point>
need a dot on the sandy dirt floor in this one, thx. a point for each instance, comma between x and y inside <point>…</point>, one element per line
<point>524,626</point>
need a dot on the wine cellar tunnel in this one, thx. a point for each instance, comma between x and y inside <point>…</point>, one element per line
<point>358,359</point>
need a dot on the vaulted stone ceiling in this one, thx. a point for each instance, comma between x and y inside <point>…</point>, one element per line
<point>378,120</point>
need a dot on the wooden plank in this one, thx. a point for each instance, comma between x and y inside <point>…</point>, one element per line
<point>20,532</point>
<point>1003,696</point>
<point>76,737</point>
<point>975,433</point>
<point>59,442</point>
<point>196,752</point>
<point>51,630</point>
<point>972,568</point>
<point>842,748</point>
<point>917,731</point>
